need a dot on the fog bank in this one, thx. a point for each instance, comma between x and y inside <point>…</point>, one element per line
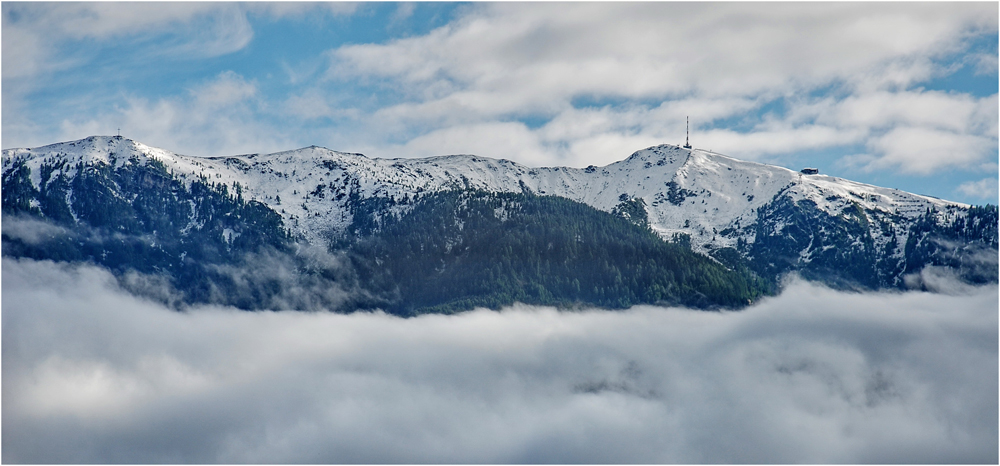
<point>93,374</point>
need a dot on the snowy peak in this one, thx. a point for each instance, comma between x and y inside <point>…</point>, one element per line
<point>90,150</point>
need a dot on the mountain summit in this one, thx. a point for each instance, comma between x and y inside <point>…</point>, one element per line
<point>763,220</point>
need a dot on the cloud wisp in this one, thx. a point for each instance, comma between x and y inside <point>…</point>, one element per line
<point>33,33</point>
<point>92,374</point>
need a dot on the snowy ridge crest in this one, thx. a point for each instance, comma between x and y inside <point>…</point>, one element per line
<point>710,197</point>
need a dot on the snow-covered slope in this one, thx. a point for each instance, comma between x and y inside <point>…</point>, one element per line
<point>709,196</point>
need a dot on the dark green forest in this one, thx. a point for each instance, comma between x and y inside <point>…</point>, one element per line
<point>458,250</point>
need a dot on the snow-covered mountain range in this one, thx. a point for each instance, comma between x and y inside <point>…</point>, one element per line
<point>758,221</point>
<point>689,191</point>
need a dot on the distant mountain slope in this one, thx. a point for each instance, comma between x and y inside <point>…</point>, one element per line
<point>766,219</point>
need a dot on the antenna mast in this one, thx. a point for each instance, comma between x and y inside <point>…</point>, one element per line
<point>687,133</point>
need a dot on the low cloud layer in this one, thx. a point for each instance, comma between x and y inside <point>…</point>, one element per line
<point>92,374</point>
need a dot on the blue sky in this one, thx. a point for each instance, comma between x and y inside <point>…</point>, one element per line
<point>902,95</point>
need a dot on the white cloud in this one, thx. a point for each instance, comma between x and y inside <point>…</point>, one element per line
<point>511,141</point>
<point>986,63</point>
<point>576,137</point>
<point>985,188</point>
<point>32,32</point>
<point>226,32</point>
<point>776,141</point>
<point>31,230</point>
<point>217,117</point>
<point>913,131</point>
<point>499,62</point>
<point>926,150</point>
<point>603,148</point>
<point>299,9</point>
<point>93,375</point>
<point>554,51</point>
<point>43,42</point>
<point>228,88</point>
<point>403,12</point>
<point>932,109</point>
<point>309,105</point>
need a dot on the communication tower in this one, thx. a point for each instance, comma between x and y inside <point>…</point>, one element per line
<point>687,133</point>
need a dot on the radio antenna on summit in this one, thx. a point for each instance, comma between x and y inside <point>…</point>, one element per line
<point>687,133</point>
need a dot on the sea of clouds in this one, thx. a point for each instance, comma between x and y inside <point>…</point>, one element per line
<point>94,374</point>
